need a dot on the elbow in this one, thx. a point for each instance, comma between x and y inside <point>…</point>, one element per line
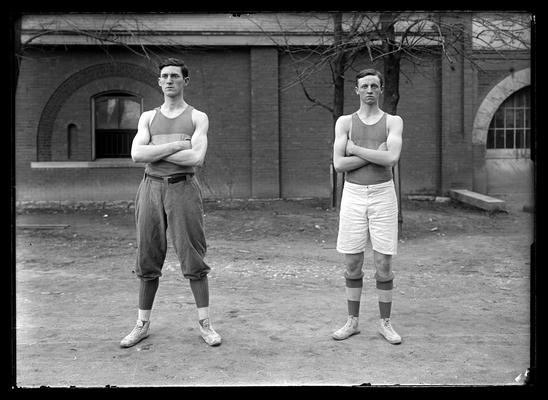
<point>338,166</point>
<point>136,157</point>
<point>197,159</point>
<point>392,162</point>
<point>139,156</point>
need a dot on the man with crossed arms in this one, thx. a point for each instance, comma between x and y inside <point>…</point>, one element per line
<point>172,141</point>
<point>367,145</point>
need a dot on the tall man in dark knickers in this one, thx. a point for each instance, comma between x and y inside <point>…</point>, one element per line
<point>172,141</point>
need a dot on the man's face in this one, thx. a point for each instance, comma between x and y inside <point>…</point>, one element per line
<point>369,89</point>
<point>171,81</point>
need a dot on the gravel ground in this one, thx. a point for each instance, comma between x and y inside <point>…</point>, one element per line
<point>461,300</point>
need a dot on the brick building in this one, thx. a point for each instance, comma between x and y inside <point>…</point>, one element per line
<point>79,96</point>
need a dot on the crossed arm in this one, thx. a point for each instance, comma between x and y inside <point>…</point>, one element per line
<point>182,152</point>
<point>347,156</point>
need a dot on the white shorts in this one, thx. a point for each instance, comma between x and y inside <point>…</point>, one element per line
<point>368,212</point>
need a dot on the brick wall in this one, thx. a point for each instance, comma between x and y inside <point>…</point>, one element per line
<point>265,138</point>
<point>419,107</point>
<point>220,86</point>
<point>265,130</point>
<point>493,71</point>
<point>306,133</point>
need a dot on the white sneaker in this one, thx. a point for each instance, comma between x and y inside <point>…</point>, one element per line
<point>209,335</point>
<point>386,330</point>
<point>349,329</point>
<point>137,334</point>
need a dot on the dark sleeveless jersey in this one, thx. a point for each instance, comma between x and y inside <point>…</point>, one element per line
<point>167,130</point>
<point>370,137</point>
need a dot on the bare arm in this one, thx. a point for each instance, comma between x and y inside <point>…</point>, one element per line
<point>194,157</point>
<point>389,157</point>
<point>141,148</point>
<point>341,161</point>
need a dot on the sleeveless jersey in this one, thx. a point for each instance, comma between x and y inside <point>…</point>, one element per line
<point>167,130</point>
<point>370,137</point>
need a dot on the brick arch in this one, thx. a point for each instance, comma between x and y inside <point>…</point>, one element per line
<point>494,99</point>
<point>73,83</point>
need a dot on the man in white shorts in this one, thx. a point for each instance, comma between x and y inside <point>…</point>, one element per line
<point>367,145</point>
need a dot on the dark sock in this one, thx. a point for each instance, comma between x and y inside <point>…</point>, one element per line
<point>200,290</point>
<point>147,292</point>
<point>354,285</point>
<point>385,293</point>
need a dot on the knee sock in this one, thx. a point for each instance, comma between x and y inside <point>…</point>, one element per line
<point>384,292</point>
<point>353,295</point>
<point>200,290</point>
<point>147,292</point>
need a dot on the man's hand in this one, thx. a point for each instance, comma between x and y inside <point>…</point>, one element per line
<point>182,145</point>
<point>383,147</point>
<point>350,147</point>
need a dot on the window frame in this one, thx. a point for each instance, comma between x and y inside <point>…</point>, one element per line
<point>93,99</point>
<point>525,128</point>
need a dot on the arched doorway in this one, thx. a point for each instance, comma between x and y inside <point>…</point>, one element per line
<point>502,139</point>
<point>508,147</point>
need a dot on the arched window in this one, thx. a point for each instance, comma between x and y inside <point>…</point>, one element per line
<point>511,125</point>
<point>116,118</point>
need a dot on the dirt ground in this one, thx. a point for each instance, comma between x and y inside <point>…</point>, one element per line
<point>461,300</point>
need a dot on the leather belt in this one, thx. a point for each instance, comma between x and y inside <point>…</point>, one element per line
<point>172,178</point>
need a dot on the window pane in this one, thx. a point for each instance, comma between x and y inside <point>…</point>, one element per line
<point>490,139</point>
<point>509,139</point>
<point>116,119</point>
<point>113,143</point>
<point>520,120</point>
<point>499,119</point>
<point>520,142</point>
<point>499,139</point>
<point>130,112</point>
<point>106,113</point>
<point>527,139</point>
<point>510,125</point>
<point>526,97</point>
<point>509,114</point>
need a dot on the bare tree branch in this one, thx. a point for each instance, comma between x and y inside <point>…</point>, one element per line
<point>314,100</point>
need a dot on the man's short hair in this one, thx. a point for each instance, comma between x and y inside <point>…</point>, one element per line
<point>370,71</point>
<point>174,62</point>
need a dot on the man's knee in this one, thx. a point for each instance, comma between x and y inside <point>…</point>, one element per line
<point>354,264</point>
<point>195,275</point>
<point>383,267</point>
<point>384,276</point>
<point>353,274</point>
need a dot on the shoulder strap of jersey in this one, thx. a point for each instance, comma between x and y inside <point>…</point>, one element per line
<point>350,129</point>
<point>152,118</point>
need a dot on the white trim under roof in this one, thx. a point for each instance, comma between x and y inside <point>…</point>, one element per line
<point>193,29</point>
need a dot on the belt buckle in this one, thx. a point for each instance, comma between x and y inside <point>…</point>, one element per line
<point>174,179</point>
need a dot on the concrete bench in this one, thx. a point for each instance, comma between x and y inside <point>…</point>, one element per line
<point>477,200</point>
